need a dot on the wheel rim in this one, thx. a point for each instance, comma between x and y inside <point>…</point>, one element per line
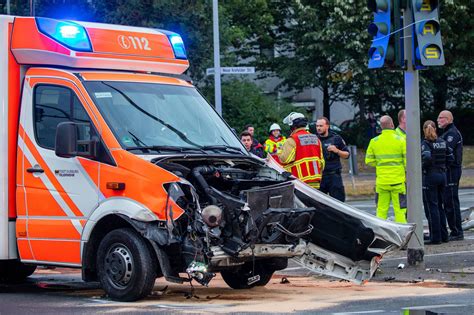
<point>119,265</point>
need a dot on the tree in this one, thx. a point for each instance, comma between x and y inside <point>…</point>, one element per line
<point>321,44</point>
<point>453,83</point>
<point>245,103</point>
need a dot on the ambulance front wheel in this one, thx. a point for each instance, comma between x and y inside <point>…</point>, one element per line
<point>125,266</point>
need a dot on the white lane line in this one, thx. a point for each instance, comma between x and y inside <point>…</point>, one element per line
<point>363,312</point>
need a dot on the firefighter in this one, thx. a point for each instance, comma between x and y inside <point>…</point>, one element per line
<point>386,153</point>
<point>274,142</point>
<point>402,124</point>
<point>454,140</point>
<point>334,148</point>
<point>302,152</point>
<point>436,157</point>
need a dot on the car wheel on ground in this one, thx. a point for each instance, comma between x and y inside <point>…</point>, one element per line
<point>125,265</point>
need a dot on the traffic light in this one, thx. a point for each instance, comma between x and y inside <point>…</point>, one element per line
<point>428,46</point>
<point>380,30</point>
<point>386,49</point>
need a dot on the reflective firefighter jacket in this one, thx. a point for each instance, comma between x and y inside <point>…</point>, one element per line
<point>273,146</point>
<point>302,155</point>
<point>387,153</point>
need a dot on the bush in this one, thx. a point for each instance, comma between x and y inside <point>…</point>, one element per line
<point>243,103</point>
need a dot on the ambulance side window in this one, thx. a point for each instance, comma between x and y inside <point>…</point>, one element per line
<point>53,105</point>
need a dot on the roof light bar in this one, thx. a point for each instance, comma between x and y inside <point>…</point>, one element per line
<point>69,34</point>
<point>178,46</point>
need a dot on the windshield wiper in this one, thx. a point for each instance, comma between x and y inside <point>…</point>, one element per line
<point>226,148</point>
<point>161,121</point>
<point>160,148</point>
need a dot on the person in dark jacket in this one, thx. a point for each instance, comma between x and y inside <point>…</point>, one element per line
<point>257,148</point>
<point>246,139</point>
<point>436,157</point>
<point>454,140</point>
<point>334,148</point>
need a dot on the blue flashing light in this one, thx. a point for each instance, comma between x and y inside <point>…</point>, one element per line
<point>178,46</point>
<point>69,34</point>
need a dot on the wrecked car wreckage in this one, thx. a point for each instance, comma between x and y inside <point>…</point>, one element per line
<point>245,219</point>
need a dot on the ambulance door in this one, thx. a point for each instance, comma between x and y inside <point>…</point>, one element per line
<point>60,193</point>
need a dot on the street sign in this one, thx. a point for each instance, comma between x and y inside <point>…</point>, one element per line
<point>232,70</point>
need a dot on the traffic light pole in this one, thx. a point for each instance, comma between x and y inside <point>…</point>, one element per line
<point>415,251</point>
<point>217,57</point>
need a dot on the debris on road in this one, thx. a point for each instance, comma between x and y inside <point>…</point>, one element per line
<point>284,280</point>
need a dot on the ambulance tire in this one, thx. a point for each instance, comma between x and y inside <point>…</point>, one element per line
<point>125,266</point>
<point>14,271</point>
<point>239,279</point>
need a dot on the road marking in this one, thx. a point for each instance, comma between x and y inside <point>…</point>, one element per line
<point>362,312</point>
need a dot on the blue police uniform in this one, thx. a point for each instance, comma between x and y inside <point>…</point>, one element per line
<point>331,182</point>
<point>436,157</point>
<point>454,141</point>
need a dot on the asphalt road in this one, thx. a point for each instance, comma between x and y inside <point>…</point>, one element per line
<point>466,200</point>
<point>61,291</point>
<point>65,294</point>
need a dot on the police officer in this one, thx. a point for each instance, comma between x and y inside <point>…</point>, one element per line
<point>334,148</point>
<point>302,152</point>
<point>387,152</point>
<point>435,156</point>
<point>453,138</point>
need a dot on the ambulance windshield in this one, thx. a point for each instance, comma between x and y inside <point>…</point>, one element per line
<point>150,115</point>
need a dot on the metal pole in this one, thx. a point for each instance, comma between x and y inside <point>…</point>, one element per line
<point>32,7</point>
<point>217,62</point>
<point>415,251</point>
<point>8,7</point>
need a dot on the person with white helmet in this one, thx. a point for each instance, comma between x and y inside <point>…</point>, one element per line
<point>302,152</point>
<point>274,142</point>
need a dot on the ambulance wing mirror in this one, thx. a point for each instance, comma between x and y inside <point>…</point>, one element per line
<point>75,139</point>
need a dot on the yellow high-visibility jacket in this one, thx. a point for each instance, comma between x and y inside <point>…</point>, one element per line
<point>401,133</point>
<point>387,153</point>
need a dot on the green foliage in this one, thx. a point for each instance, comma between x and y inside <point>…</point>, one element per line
<point>244,103</point>
<point>306,43</point>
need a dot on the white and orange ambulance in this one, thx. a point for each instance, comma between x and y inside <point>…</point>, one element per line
<point>112,162</point>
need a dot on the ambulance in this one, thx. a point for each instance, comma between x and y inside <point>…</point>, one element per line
<point>112,162</point>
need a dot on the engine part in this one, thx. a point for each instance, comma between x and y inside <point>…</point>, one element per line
<point>212,215</point>
<point>198,271</point>
<point>274,196</point>
<point>220,258</point>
